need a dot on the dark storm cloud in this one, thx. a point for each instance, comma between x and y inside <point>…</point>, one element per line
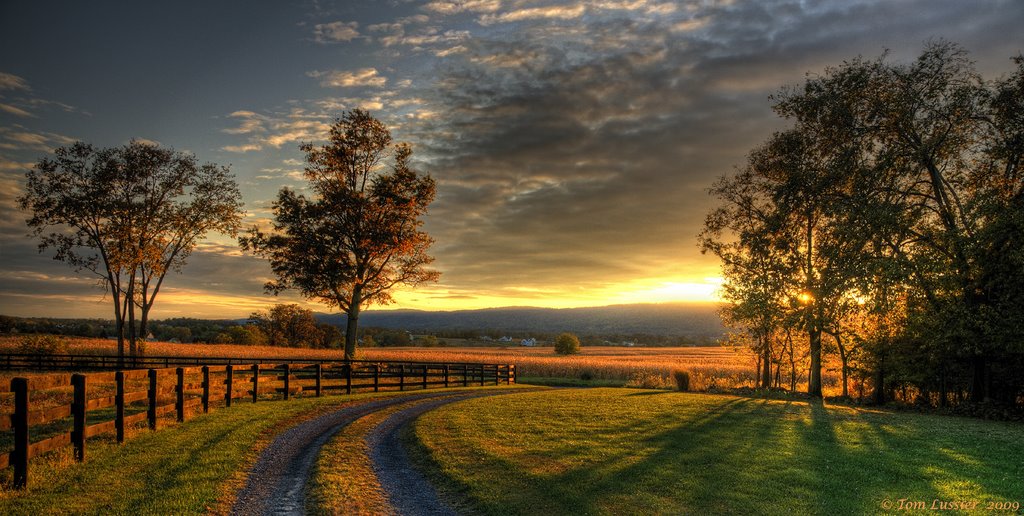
<point>578,152</point>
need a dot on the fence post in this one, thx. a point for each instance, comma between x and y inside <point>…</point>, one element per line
<point>206,389</point>
<point>497,376</point>
<point>446,376</point>
<point>465,375</point>
<point>376,377</point>
<point>348,376</point>
<point>425,368</point>
<point>287,381</point>
<point>319,377</point>
<point>78,413</point>
<point>481,375</point>
<point>255,382</point>
<point>229,382</point>
<point>20,455</point>
<point>152,399</point>
<point>179,403</point>
<point>401,377</point>
<point>119,406</point>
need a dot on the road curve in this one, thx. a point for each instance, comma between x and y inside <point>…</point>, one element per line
<point>277,482</point>
<point>408,492</point>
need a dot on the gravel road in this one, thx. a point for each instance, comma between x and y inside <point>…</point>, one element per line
<point>409,493</point>
<point>277,482</point>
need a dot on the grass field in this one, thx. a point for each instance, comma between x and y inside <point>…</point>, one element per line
<point>624,451</point>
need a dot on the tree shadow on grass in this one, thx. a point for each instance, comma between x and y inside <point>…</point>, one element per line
<point>648,393</point>
<point>760,456</point>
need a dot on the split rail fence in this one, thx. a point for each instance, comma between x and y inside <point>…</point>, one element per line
<point>48,405</point>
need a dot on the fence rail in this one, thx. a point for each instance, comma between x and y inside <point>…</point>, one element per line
<point>66,362</point>
<point>144,395</point>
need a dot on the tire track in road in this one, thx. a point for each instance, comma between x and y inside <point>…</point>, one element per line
<point>276,484</point>
<point>408,491</point>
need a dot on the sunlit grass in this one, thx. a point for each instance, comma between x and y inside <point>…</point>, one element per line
<point>624,451</point>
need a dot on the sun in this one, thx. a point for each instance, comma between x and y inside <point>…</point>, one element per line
<point>675,291</point>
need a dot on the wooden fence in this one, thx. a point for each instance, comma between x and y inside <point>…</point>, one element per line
<point>146,395</point>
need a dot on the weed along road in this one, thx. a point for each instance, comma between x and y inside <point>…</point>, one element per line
<point>277,482</point>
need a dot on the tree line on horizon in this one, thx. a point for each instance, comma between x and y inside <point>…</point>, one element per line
<point>885,226</point>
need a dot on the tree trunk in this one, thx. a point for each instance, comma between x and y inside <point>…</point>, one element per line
<point>766,379</point>
<point>979,385</point>
<point>842,358</point>
<point>352,324</point>
<point>119,328</point>
<point>814,378</point>
<point>757,371</point>
<point>132,336</point>
<point>792,361</point>
<point>880,381</point>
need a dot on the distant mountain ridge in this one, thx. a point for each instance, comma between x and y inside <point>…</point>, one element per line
<point>669,319</point>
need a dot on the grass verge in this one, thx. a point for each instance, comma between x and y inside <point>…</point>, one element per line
<point>189,468</point>
<point>625,451</point>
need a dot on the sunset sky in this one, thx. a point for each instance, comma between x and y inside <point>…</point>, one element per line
<point>572,143</point>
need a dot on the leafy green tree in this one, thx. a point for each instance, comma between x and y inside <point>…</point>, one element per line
<point>359,236</point>
<point>128,215</point>
<point>288,325</point>
<point>567,344</point>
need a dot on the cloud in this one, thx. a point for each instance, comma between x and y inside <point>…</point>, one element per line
<point>348,79</point>
<point>335,32</point>
<point>275,130</point>
<point>249,122</point>
<point>459,6</point>
<point>13,82</point>
<point>551,12</point>
<point>17,138</point>
<point>242,148</point>
<point>395,34</point>
<point>7,108</point>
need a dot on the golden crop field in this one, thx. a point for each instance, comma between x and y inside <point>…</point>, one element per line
<point>708,366</point>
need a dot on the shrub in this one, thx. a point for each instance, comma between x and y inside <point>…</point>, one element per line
<point>567,344</point>
<point>682,379</point>
<point>43,345</point>
<point>647,380</point>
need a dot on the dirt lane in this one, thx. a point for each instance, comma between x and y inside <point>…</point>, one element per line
<point>408,491</point>
<point>276,484</point>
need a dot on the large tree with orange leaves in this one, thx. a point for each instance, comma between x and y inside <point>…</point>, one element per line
<point>360,234</point>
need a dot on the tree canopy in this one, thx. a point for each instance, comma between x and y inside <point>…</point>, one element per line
<point>359,235</point>
<point>888,218</point>
<point>128,215</point>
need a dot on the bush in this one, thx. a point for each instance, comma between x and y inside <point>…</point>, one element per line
<point>682,379</point>
<point>647,380</point>
<point>43,345</point>
<point>567,344</point>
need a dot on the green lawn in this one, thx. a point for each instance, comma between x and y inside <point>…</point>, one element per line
<point>625,451</point>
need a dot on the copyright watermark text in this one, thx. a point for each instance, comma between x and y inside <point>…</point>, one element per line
<point>935,504</point>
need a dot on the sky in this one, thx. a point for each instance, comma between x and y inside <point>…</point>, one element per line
<point>572,143</point>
